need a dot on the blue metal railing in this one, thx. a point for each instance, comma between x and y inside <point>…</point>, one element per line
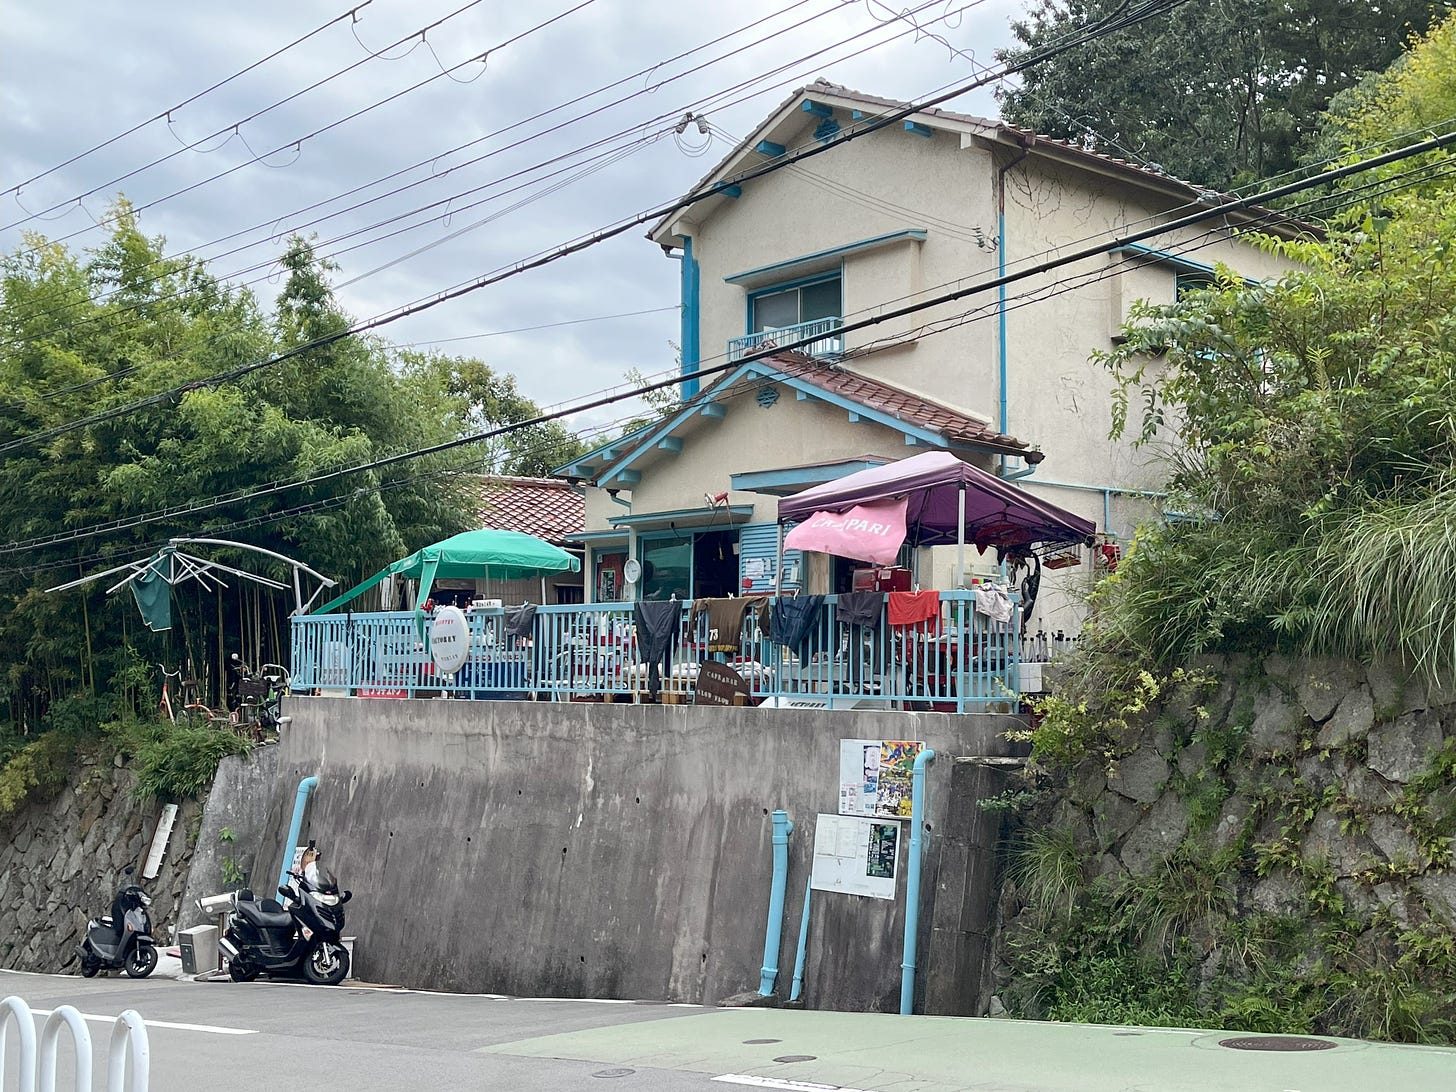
<point>828,341</point>
<point>958,659</point>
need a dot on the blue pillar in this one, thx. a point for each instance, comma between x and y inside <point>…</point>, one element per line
<point>691,290</point>
<point>782,828</point>
<point>300,802</point>
<point>912,881</point>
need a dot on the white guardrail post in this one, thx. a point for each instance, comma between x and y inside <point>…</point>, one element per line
<point>15,1011</point>
<point>64,1016</point>
<point>129,1039</point>
<point>36,1063</point>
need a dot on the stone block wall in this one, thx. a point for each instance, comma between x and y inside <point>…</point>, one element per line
<point>61,861</point>
<point>1316,794</point>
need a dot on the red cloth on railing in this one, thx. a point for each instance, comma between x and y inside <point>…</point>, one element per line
<point>912,608</point>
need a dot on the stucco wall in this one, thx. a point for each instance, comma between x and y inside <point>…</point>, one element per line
<point>617,851</point>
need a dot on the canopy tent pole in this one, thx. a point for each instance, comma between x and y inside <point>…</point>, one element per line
<point>961,536</point>
<point>779,563</point>
<point>353,593</point>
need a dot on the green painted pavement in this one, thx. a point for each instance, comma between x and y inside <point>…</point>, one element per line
<point>882,1053</point>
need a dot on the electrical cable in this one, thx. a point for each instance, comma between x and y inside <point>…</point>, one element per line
<point>860,129</point>
<point>635,128</point>
<point>1246,203</point>
<point>352,14</point>
<point>235,128</point>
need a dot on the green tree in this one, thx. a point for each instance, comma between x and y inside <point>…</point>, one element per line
<point>1220,93</point>
<point>483,400</point>
<point>80,334</point>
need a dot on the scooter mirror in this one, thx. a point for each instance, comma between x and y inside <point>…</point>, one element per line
<point>346,896</point>
<point>128,870</point>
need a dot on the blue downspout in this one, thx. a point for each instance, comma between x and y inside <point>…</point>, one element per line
<point>803,942</point>
<point>912,881</point>
<point>782,828</point>
<point>1004,417</point>
<point>305,790</point>
<point>690,318</point>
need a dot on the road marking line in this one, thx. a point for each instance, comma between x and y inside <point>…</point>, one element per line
<point>209,1028</point>
<point>779,1082</point>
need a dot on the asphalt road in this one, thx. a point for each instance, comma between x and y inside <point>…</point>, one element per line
<point>225,1035</point>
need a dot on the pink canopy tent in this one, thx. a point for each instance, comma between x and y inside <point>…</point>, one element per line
<point>947,501</point>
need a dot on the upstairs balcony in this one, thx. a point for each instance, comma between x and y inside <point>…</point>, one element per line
<point>956,660</point>
<point>825,331</point>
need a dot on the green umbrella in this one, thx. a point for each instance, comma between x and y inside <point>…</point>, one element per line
<point>480,555</point>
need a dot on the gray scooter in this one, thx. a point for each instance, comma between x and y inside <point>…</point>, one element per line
<point>123,938</point>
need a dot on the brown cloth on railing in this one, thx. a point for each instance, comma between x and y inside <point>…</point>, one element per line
<point>727,617</point>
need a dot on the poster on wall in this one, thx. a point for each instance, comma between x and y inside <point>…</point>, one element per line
<point>855,856</point>
<point>875,776</point>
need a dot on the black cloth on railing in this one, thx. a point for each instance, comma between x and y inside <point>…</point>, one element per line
<point>793,620</point>
<point>657,629</point>
<point>519,620</point>
<point>861,608</point>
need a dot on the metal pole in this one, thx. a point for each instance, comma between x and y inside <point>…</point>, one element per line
<point>912,881</point>
<point>961,536</point>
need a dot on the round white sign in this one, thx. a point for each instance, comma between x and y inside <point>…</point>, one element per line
<point>450,640</point>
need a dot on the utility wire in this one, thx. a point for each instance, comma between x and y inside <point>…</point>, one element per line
<point>669,116</point>
<point>1247,204</point>
<point>860,129</point>
<point>352,14</point>
<point>236,127</point>
<point>1385,186</point>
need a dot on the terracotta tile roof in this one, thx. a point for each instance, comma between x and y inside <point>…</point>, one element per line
<point>913,409</point>
<point>545,507</point>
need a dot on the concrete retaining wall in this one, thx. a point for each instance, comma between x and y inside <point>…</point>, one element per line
<point>619,851</point>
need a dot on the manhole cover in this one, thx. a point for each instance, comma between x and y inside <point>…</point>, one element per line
<point>614,1073</point>
<point>756,1042</point>
<point>1276,1042</point>
<point>796,1058</point>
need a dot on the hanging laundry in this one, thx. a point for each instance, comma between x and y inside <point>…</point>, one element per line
<point>793,620</point>
<point>913,608</point>
<point>860,608</point>
<point>658,622</point>
<point>993,602</point>
<point>725,619</point>
<point>519,620</point>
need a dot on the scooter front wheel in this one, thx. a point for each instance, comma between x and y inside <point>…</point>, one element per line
<point>88,969</point>
<point>140,961</point>
<point>326,964</point>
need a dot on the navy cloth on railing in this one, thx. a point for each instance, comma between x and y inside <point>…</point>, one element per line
<point>861,608</point>
<point>519,620</point>
<point>657,629</point>
<point>793,620</point>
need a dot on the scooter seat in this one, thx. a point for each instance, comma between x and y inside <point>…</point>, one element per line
<point>264,917</point>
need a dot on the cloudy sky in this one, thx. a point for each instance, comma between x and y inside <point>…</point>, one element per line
<point>450,180</point>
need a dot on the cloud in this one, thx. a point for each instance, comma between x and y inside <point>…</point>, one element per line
<point>137,60</point>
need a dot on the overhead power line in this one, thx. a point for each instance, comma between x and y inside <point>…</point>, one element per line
<point>633,131</point>
<point>352,14</point>
<point>856,131</point>
<point>1246,204</point>
<point>236,127</point>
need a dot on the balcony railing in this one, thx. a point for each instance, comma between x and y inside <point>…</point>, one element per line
<point>825,331</point>
<point>955,661</point>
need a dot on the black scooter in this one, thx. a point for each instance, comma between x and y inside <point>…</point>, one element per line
<point>123,938</point>
<point>264,937</point>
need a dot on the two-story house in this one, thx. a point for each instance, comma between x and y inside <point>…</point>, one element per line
<point>1003,378</point>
